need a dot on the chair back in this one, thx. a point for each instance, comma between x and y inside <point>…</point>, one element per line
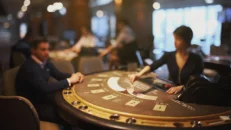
<point>17,113</point>
<point>90,64</point>
<point>219,51</point>
<point>18,58</point>
<point>63,66</point>
<point>9,82</point>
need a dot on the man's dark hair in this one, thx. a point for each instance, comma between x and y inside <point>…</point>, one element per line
<point>35,43</point>
<point>185,33</point>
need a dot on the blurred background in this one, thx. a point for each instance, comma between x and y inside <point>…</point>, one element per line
<point>152,21</point>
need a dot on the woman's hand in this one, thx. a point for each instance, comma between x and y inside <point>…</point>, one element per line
<point>134,77</point>
<point>167,86</point>
<point>175,90</point>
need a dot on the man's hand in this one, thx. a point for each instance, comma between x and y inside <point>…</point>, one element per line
<point>175,90</point>
<point>106,51</point>
<point>76,78</point>
<point>81,77</point>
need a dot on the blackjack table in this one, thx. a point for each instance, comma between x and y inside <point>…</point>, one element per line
<point>109,101</point>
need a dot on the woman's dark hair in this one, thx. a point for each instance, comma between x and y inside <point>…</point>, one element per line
<point>185,33</point>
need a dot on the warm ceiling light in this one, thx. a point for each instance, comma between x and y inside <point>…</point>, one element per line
<point>209,1</point>
<point>99,13</point>
<point>50,8</point>
<point>58,5</point>
<point>156,5</point>
<point>20,14</point>
<point>26,2</point>
<point>118,2</point>
<point>63,11</point>
<point>24,8</point>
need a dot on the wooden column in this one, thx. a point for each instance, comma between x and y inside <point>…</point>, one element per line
<point>78,15</point>
<point>138,13</point>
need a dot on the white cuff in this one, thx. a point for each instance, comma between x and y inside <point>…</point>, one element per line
<point>69,82</point>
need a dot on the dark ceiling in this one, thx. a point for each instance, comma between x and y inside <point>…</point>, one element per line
<point>14,6</point>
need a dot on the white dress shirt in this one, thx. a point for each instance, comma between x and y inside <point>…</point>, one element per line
<point>125,36</point>
<point>85,41</point>
<point>41,64</point>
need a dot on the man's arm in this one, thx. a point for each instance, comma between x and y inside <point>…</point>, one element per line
<point>38,81</point>
<point>105,52</point>
<point>56,73</point>
<point>77,47</point>
<point>115,44</point>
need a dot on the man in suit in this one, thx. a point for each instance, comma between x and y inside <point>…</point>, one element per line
<point>32,81</point>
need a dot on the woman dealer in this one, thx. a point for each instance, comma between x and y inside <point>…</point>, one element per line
<point>181,63</point>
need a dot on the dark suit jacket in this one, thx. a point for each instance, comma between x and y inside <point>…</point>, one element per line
<point>32,82</point>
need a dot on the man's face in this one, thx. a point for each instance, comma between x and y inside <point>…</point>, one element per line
<point>42,51</point>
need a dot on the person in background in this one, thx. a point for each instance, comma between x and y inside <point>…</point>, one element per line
<point>87,40</point>
<point>22,46</point>
<point>32,82</point>
<point>181,63</point>
<point>125,45</point>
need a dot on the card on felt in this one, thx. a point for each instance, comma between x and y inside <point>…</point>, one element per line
<point>95,79</point>
<point>97,91</point>
<point>132,103</point>
<point>109,97</point>
<point>93,85</point>
<point>160,108</point>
